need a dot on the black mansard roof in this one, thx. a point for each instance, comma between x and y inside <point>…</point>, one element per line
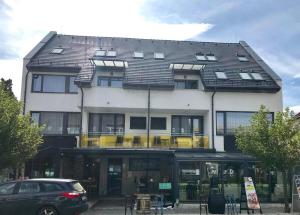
<point>147,71</point>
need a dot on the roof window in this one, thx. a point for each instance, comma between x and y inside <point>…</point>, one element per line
<point>138,55</point>
<point>100,53</point>
<point>181,66</point>
<point>243,58</point>
<point>159,55</point>
<point>57,51</point>
<point>221,75</point>
<point>211,57</point>
<point>200,57</point>
<point>111,53</point>
<point>110,63</point>
<point>245,76</point>
<point>257,76</point>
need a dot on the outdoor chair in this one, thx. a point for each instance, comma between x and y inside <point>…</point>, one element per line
<point>129,203</point>
<point>203,199</point>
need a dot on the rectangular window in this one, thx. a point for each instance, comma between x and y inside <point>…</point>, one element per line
<point>257,76</point>
<point>54,84</point>
<point>137,122</point>
<point>72,88</point>
<point>73,125</point>
<point>35,117</point>
<point>158,123</point>
<point>245,76</point>
<point>187,125</point>
<point>57,51</point>
<point>179,84</point>
<point>186,84</point>
<point>111,53</point>
<point>228,122</point>
<point>142,164</point>
<point>100,53</point>
<point>52,121</point>
<point>116,82</point>
<point>221,75</point>
<point>211,57</point>
<point>138,55</point>
<point>101,123</point>
<point>201,57</point>
<point>243,58</point>
<point>36,83</point>
<point>110,82</point>
<point>159,55</point>
<point>103,82</point>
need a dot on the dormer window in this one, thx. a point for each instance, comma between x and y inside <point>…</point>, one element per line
<point>159,55</point>
<point>200,57</point>
<point>257,76</point>
<point>100,53</point>
<point>243,58</point>
<point>211,57</point>
<point>111,53</point>
<point>138,55</point>
<point>221,75</point>
<point>57,51</point>
<point>245,76</point>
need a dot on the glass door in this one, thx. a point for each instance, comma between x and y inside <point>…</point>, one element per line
<point>114,177</point>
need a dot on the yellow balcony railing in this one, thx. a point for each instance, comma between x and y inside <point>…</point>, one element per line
<point>140,141</point>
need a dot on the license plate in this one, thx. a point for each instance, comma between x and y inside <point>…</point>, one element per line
<point>83,198</point>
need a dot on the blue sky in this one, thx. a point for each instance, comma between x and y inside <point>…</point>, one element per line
<point>272,28</point>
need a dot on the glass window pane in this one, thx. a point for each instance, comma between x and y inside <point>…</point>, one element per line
<point>108,123</point>
<point>245,76</point>
<point>257,76</point>
<point>176,125</point>
<point>73,123</point>
<point>196,126</point>
<point>103,82</point>
<point>116,83</point>
<point>137,122</point>
<point>100,53</point>
<point>236,119</point>
<point>53,122</point>
<point>36,83</point>
<point>200,57</point>
<point>158,55</point>
<point>8,188</point>
<point>191,84</point>
<point>180,84</point>
<point>73,87</point>
<point>138,54</point>
<point>220,123</point>
<point>35,117</point>
<point>111,53</point>
<point>158,123</point>
<point>54,84</point>
<point>211,57</point>
<point>94,124</point>
<point>186,125</point>
<point>221,75</point>
<point>120,123</point>
<point>29,187</point>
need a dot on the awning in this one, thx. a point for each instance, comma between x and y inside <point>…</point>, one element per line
<point>217,156</point>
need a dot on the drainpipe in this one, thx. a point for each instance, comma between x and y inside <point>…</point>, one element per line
<point>148,121</point>
<point>213,120</point>
<point>25,92</point>
<point>81,113</point>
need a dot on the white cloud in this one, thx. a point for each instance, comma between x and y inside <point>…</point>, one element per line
<point>29,21</point>
<point>296,109</point>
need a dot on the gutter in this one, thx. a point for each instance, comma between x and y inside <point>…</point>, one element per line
<point>213,120</point>
<point>25,92</point>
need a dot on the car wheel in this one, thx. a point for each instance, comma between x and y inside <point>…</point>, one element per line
<point>47,211</point>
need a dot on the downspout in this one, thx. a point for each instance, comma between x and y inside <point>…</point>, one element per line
<point>25,92</point>
<point>148,121</point>
<point>213,120</point>
<point>81,114</point>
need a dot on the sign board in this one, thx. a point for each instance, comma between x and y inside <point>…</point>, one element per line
<point>297,183</point>
<point>296,194</point>
<point>165,186</point>
<point>252,200</point>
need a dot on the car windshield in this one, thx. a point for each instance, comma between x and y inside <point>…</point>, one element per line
<point>77,186</point>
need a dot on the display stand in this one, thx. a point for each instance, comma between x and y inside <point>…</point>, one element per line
<point>296,194</point>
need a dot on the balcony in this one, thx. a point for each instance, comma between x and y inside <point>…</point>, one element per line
<point>97,140</point>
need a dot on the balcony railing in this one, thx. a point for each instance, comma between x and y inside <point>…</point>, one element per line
<point>186,141</point>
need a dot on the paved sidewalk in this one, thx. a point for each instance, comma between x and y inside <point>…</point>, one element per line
<point>187,209</point>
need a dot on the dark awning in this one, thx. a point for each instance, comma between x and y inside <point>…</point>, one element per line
<point>218,156</point>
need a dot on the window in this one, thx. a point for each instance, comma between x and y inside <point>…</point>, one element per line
<point>51,187</point>
<point>257,76</point>
<point>111,53</point>
<point>243,58</point>
<point>221,75</point>
<point>137,122</point>
<point>142,164</point>
<point>36,83</point>
<point>53,122</point>
<point>54,84</point>
<point>7,189</point>
<point>73,125</point>
<point>72,86</point>
<point>57,51</point>
<point>110,82</point>
<point>106,123</point>
<point>200,57</point>
<point>245,76</point>
<point>228,122</point>
<point>100,53</point>
<point>159,55</point>
<point>35,117</point>
<point>138,55</point>
<point>158,123</point>
<point>187,125</point>
<point>211,57</point>
<point>186,84</point>
<point>29,187</point>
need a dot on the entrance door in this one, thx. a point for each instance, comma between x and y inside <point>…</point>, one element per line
<point>114,180</point>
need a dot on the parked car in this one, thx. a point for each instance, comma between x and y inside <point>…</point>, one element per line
<point>42,197</point>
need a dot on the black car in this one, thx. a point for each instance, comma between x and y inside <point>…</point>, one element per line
<point>42,197</point>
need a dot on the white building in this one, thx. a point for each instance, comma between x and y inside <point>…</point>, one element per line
<point>119,110</point>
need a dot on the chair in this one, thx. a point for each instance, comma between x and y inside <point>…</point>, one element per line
<point>129,203</point>
<point>203,203</point>
<point>231,205</point>
<point>158,203</point>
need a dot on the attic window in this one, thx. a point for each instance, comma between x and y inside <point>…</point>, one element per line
<point>180,66</point>
<point>245,76</point>
<point>111,53</point>
<point>57,51</point>
<point>100,53</point>
<point>243,58</point>
<point>138,55</point>
<point>257,76</point>
<point>159,55</point>
<point>221,75</point>
<point>211,57</point>
<point>110,63</point>
<point>200,57</point>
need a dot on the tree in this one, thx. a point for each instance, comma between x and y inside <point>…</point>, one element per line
<point>19,137</point>
<point>276,144</point>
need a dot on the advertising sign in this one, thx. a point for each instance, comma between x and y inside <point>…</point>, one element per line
<point>252,200</point>
<point>297,183</point>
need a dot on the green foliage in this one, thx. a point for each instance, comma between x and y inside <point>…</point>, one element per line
<point>276,144</point>
<point>19,138</point>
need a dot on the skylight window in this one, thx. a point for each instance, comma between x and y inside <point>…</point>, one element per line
<point>198,67</point>
<point>181,66</point>
<point>257,76</point>
<point>245,76</point>
<point>138,55</point>
<point>187,66</point>
<point>111,53</point>
<point>200,57</point>
<point>99,62</point>
<point>159,55</point>
<point>243,58</point>
<point>221,75</point>
<point>109,63</point>
<point>57,51</point>
<point>100,53</point>
<point>119,63</point>
<point>211,57</point>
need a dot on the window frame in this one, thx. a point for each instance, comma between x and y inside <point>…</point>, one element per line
<point>109,81</point>
<point>159,56</point>
<point>66,87</point>
<point>138,55</point>
<point>100,119</point>
<point>161,128</point>
<point>186,84</point>
<point>221,75</point>
<point>257,76</point>
<point>14,190</point>
<point>243,74</point>
<point>135,128</point>
<point>54,50</point>
<point>28,182</point>
<point>191,132</point>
